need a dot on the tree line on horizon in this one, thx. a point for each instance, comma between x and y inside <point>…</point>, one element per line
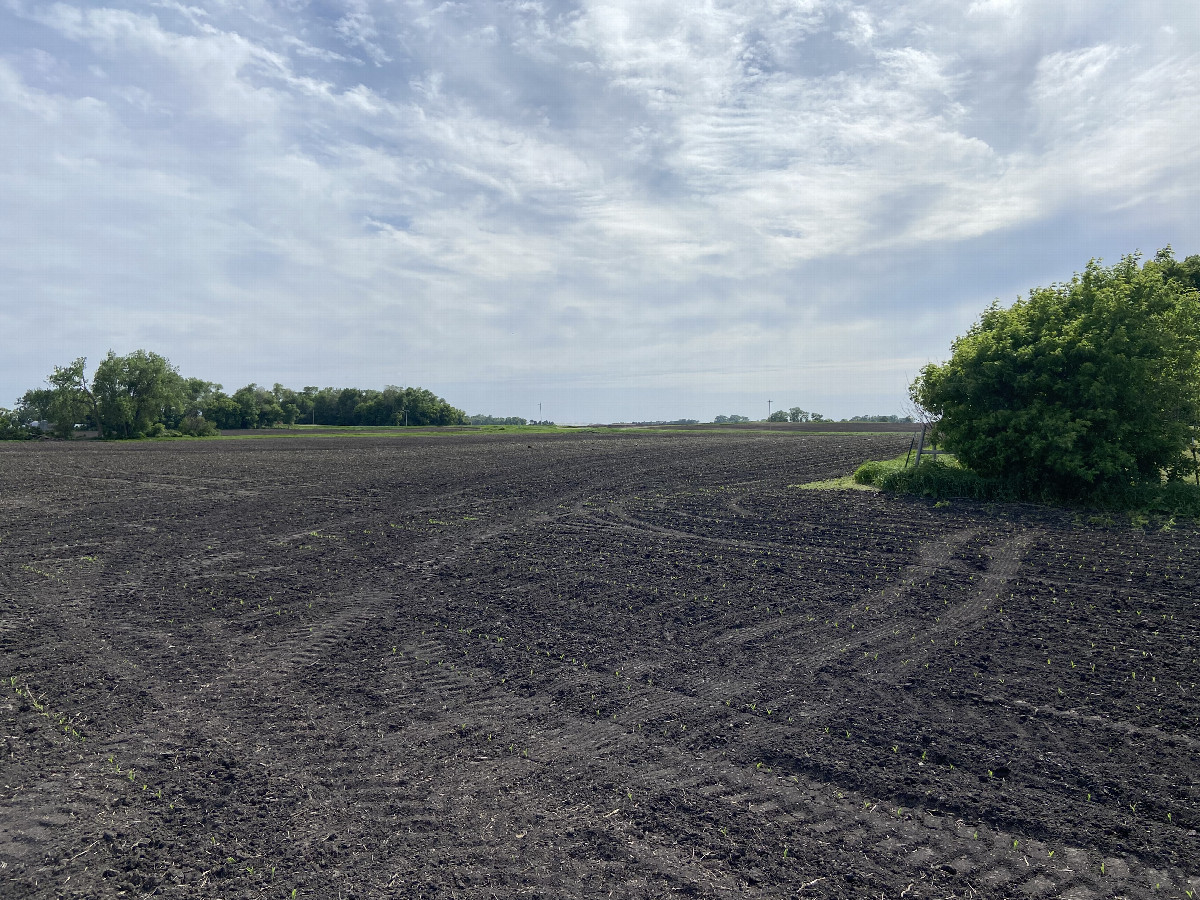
<point>143,395</point>
<point>796,414</point>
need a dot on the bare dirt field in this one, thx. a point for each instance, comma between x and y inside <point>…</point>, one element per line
<point>586,665</point>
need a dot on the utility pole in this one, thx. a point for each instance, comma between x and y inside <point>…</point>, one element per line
<point>768,410</point>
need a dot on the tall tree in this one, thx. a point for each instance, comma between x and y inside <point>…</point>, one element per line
<point>136,392</point>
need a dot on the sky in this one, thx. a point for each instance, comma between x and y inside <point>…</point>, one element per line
<point>622,211</point>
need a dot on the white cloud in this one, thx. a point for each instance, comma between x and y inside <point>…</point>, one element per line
<point>357,28</point>
<point>558,191</point>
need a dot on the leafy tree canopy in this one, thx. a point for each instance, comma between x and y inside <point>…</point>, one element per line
<point>796,414</point>
<point>142,395</point>
<point>1085,385</point>
<point>135,393</point>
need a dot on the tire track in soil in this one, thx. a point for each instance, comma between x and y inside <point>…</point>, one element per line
<point>784,809</point>
<point>97,779</point>
<point>414,670</point>
<point>299,649</point>
<point>934,557</point>
<point>1004,564</point>
<point>621,519</point>
<point>1077,718</point>
<point>591,747</point>
<point>316,746</point>
<point>184,721</point>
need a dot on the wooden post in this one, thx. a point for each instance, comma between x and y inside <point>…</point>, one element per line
<point>920,447</point>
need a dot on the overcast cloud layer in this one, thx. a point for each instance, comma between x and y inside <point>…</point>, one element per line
<point>622,210</point>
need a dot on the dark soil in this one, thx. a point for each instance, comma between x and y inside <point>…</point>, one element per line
<point>579,665</point>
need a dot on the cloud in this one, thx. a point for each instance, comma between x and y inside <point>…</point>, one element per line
<point>660,193</point>
<point>357,28</point>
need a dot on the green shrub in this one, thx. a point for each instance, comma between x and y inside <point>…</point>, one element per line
<point>12,428</point>
<point>195,426</point>
<point>937,480</point>
<point>873,471</point>
<point>1079,390</point>
<point>1176,498</point>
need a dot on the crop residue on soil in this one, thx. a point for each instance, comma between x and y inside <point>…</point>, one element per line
<point>579,666</point>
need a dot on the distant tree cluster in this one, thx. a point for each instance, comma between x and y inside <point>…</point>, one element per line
<point>671,422</point>
<point>257,407</point>
<point>795,414</point>
<point>15,426</point>
<point>480,419</point>
<point>895,419</point>
<point>143,395</point>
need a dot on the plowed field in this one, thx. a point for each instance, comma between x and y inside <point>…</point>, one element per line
<point>580,666</point>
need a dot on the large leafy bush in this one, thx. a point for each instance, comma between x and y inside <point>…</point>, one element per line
<point>1088,386</point>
